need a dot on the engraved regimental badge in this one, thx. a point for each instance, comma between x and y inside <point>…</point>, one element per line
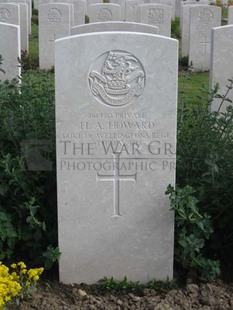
<point>116,78</point>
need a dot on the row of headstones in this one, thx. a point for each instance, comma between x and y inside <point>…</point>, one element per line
<point>55,21</point>
<point>196,24</point>
<point>18,12</point>
<point>221,42</point>
<point>121,9</point>
<point>129,7</point>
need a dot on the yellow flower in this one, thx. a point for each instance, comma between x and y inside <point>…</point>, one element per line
<point>36,278</point>
<point>23,271</point>
<point>22,265</point>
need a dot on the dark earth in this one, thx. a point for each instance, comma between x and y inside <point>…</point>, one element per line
<point>52,295</point>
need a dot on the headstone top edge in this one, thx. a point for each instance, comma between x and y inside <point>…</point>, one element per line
<point>101,4</point>
<point>55,4</point>
<point>10,25</point>
<point>109,33</point>
<point>222,27</point>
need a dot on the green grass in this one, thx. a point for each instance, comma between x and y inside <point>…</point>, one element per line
<point>33,42</point>
<point>193,86</point>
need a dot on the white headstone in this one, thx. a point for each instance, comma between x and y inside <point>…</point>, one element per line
<point>189,2</point>
<point>177,8</point>
<point>157,15</point>
<point>116,137</point>
<point>185,28</point>
<point>10,13</point>
<point>171,3</point>
<point>90,2</point>
<point>132,10</point>
<point>29,10</point>
<point>10,51</point>
<point>114,26</point>
<point>55,21</point>
<point>222,64</point>
<point>202,20</point>
<point>36,4</point>
<point>24,30</point>
<point>79,10</point>
<point>230,15</point>
<point>122,4</point>
<point>104,12</point>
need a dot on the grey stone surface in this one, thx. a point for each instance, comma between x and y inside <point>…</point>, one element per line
<point>104,12</point>
<point>79,10</point>
<point>24,21</point>
<point>10,51</point>
<point>116,137</point>
<point>230,15</point>
<point>177,8</point>
<point>132,10</point>
<point>29,10</point>
<point>114,26</point>
<point>10,13</point>
<point>171,3</point>
<point>55,21</point>
<point>185,28</point>
<point>90,2</point>
<point>222,63</point>
<point>189,2</point>
<point>24,29</point>
<point>158,15</point>
<point>202,20</point>
<point>122,4</point>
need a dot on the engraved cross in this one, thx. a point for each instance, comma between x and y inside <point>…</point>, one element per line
<point>205,44</point>
<point>116,177</point>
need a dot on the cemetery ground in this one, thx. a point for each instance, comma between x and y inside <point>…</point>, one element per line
<point>202,201</point>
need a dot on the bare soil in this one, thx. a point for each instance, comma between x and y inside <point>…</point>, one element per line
<point>57,296</point>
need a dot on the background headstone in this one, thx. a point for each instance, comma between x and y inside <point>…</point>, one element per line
<point>185,28</point>
<point>24,22</point>
<point>55,21</point>
<point>157,15</point>
<point>79,10</point>
<point>222,63</point>
<point>170,3</point>
<point>116,136</point>
<point>29,9</point>
<point>122,5</point>
<point>202,20</point>
<point>90,2</point>
<point>104,12</point>
<point>10,13</point>
<point>10,51</point>
<point>230,15</point>
<point>132,10</point>
<point>114,26</point>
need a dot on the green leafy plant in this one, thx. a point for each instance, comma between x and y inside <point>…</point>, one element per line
<point>51,255</point>
<point>126,286</point>
<point>205,163</point>
<point>175,29</point>
<point>111,284</point>
<point>27,196</point>
<point>193,228</point>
